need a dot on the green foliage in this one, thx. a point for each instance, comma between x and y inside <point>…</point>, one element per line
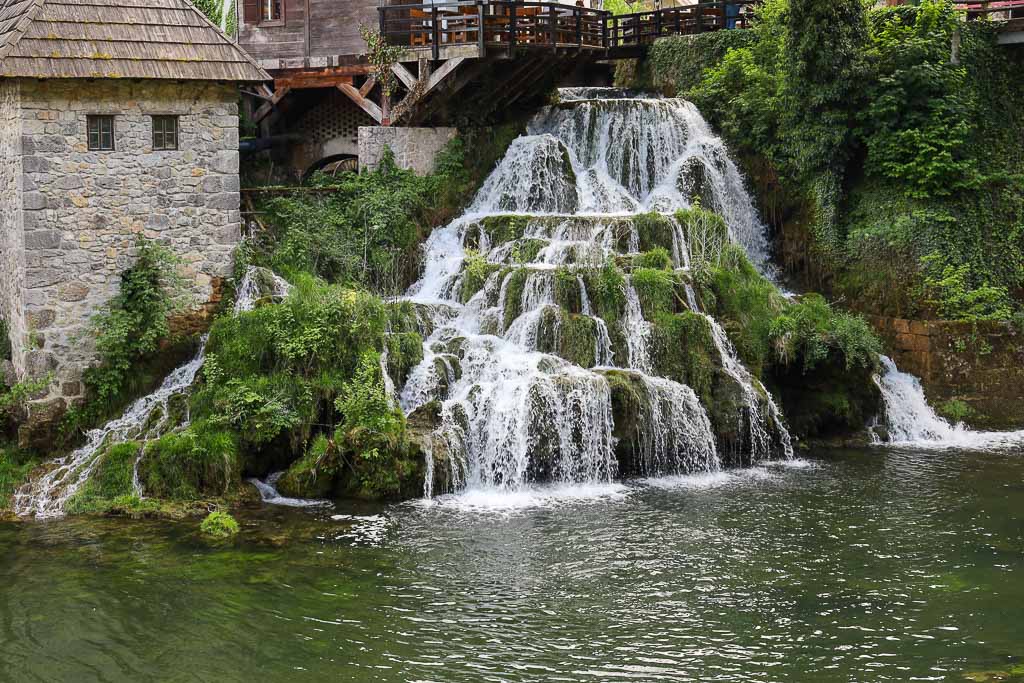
<point>706,234</point>
<point>129,329</point>
<point>683,349</point>
<point>372,432</point>
<point>875,145</point>
<point>201,461</point>
<point>475,272</point>
<point>382,56</point>
<point>5,341</point>
<point>607,289</point>
<point>956,411</point>
<point>211,8</point>
<point>952,291</point>
<point>14,468</point>
<point>219,525</point>
<point>766,329</point>
<point>916,126</point>
<point>109,486</point>
<point>655,289</point>
<point>657,259</point>
<point>675,65</point>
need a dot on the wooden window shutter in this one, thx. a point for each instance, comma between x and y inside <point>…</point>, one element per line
<point>251,12</point>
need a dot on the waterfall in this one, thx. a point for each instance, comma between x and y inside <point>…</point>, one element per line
<point>270,496</point>
<point>513,410</point>
<point>45,496</point>
<point>758,403</point>
<point>910,421</point>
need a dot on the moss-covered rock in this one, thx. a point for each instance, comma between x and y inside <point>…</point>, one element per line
<point>201,461</point>
<point>219,526</point>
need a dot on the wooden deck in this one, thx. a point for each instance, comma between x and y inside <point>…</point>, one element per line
<point>492,27</point>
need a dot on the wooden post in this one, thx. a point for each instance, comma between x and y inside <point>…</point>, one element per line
<point>604,32</point>
<point>553,19</point>
<point>481,46</point>
<point>721,14</point>
<point>678,29</point>
<point>700,18</point>
<point>657,24</point>
<point>579,26</point>
<point>435,34</point>
<point>511,30</point>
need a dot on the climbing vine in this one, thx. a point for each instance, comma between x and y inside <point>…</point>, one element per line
<point>382,58</point>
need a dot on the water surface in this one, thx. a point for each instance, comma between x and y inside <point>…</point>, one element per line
<point>860,566</point>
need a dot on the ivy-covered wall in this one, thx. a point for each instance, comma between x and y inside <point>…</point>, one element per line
<point>885,145</point>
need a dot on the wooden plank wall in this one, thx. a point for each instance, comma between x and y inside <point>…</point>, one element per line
<point>274,42</point>
<point>334,29</point>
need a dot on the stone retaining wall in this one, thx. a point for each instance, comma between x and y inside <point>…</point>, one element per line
<point>80,211</point>
<point>415,149</point>
<point>981,364</point>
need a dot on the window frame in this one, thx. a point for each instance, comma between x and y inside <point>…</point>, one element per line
<point>163,119</point>
<point>261,21</point>
<point>98,134</point>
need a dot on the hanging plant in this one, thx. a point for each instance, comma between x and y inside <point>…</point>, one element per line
<point>382,57</point>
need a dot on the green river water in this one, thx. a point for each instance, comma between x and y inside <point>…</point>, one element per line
<point>854,566</point>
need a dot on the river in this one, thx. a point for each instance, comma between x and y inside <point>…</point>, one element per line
<point>860,565</point>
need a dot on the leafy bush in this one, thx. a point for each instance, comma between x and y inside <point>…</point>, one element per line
<point>129,329</point>
<point>219,525</point>
<point>201,461</point>
<point>110,484</point>
<point>14,468</point>
<point>656,259</point>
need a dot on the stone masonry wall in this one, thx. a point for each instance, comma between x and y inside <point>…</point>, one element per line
<point>414,148</point>
<point>83,209</point>
<point>981,364</point>
<point>12,257</point>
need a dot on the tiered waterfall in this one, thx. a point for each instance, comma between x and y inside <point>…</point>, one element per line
<point>531,373</point>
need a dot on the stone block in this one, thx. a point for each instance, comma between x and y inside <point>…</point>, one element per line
<point>75,291</point>
<point>40,319</point>
<point>34,200</point>
<point>42,239</point>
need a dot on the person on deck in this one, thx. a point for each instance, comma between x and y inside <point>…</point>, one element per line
<point>732,13</point>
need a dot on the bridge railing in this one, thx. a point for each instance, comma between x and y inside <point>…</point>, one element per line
<point>643,28</point>
<point>991,9</point>
<point>512,23</point>
<point>501,23</point>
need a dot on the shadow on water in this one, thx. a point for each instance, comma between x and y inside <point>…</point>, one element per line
<point>879,565</point>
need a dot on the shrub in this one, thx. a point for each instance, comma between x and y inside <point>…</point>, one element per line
<point>657,259</point>
<point>201,461</point>
<point>111,481</point>
<point>219,525</point>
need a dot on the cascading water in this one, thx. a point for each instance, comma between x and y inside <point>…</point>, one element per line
<point>45,496</point>
<point>512,410</point>
<point>910,421</point>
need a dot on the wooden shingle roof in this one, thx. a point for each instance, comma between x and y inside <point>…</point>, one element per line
<point>168,39</point>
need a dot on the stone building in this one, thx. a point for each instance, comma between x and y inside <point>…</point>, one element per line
<point>117,118</point>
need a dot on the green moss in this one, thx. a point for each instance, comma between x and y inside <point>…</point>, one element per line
<point>110,482</point>
<point>516,281</point>
<point>219,525</point>
<point>475,272</point>
<point>606,287</point>
<point>200,462</point>
<point>14,468</point>
<point>527,250</point>
<point>656,259</point>
<point>567,290</point>
<point>684,350</point>
<point>405,351</point>
<point>577,340</point>
<point>504,228</point>
<point>654,230</point>
<point>313,475</point>
<point>656,290</point>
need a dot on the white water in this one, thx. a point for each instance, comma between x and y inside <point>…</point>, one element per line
<point>512,412</point>
<point>270,496</point>
<point>911,422</point>
<point>45,496</point>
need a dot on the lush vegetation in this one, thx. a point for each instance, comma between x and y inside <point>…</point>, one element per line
<point>885,144</point>
<point>219,525</point>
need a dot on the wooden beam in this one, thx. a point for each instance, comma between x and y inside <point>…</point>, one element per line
<point>366,105</point>
<point>321,78</point>
<point>269,105</point>
<point>404,75</point>
<point>441,73</point>
<point>365,89</point>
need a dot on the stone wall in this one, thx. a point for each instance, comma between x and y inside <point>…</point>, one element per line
<point>981,364</point>
<point>12,256</point>
<point>414,148</point>
<point>83,210</point>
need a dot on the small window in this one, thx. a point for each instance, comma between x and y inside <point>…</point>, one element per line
<point>271,11</point>
<point>101,133</point>
<point>165,132</point>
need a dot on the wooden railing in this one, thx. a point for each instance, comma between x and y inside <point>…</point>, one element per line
<point>512,23</point>
<point>991,9</point>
